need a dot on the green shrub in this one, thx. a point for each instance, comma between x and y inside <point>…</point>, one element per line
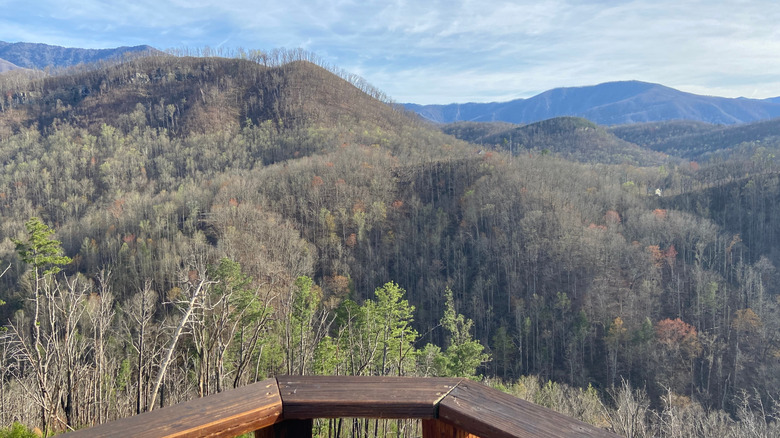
<point>18,430</point>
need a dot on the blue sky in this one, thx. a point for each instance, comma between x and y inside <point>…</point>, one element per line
<point>431,51</point>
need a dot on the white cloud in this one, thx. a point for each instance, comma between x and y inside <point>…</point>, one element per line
<point>441,51</point>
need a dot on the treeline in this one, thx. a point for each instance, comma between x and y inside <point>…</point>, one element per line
<point>316,230</point>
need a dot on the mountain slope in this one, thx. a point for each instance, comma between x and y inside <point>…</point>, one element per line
<point>40,56</point>
<point>7,66</point>
<point>611,103</point>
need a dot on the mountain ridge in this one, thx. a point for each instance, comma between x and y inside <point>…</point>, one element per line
<point>609,103</point>
<point>40,56</point>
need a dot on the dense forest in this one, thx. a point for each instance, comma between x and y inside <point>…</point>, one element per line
<point>173,227</point>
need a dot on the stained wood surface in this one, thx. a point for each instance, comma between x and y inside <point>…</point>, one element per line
<point>226,414</point>
<point>360,396</point>
<point>283,407</point>
<point>440,429</point>
<point>487,412</point>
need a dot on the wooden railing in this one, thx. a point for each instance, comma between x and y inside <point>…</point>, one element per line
<point>285,407</point>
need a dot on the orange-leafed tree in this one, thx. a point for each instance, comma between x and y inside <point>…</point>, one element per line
<point>678,346</point>
<point>678,335</point>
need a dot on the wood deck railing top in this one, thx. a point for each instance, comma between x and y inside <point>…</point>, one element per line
<point>458,406</point>
<point>367,397</point>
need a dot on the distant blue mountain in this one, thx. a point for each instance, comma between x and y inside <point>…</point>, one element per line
<point>40,56</point>
<point>611,103</point>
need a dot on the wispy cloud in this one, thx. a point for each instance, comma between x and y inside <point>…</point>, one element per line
<point>442,51</point>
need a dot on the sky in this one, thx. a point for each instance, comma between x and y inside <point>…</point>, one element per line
<point>438,52</point>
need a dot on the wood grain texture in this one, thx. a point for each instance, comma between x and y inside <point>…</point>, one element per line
<point>358,396</point>
<point>487,412</point>
<point>226,414</point>
<point>440,429</point>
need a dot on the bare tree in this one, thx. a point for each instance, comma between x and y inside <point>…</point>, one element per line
<point>138,313</point>
<point>195,282</point>
<point>101,314</point>
<point>629,417</point>
<point>9,366</point>
<point>69,306</point>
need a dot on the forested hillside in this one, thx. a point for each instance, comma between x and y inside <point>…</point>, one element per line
<point>700,141</point>
<point>572,138</point>
<point>174,227</point>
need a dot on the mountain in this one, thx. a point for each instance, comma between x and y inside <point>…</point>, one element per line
<point>189,89</point>
<point>40,56</point>
<point>611,103</point>
<point>573,138</point>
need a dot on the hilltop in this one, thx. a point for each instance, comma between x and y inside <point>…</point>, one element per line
<point>186,95</point>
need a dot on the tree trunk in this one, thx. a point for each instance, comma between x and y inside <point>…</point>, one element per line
<point>176,334</point>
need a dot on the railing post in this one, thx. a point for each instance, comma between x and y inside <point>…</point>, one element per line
<point>287,429</point>
<point>440,429</point>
